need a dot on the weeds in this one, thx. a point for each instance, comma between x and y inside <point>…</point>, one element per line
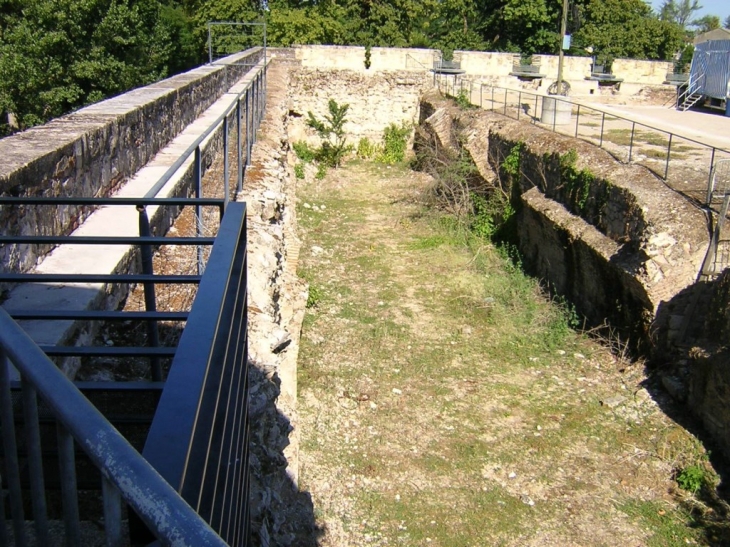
<point>366,149</point>
<point>299,170</point>
<point>463,100</point>
<point>395,139</point>
<point>304,152</point>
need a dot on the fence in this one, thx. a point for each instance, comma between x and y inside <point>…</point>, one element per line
<point>216,336</point>
<point>684,163</point>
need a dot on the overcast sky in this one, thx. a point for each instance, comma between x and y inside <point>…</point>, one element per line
<point>721,8</point>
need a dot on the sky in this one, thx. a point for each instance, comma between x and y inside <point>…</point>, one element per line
<point>720,8</point>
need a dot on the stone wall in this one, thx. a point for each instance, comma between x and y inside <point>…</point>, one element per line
<point>353,58</point>
<point>93,151</point>
<point>617,243</point>
<point>375,99</point>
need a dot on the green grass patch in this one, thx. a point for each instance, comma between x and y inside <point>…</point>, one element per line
<point>668,528</point>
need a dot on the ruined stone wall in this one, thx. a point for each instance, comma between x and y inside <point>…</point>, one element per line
<point>617,242</point>
<point>375,99</point>
<point>91,152</point>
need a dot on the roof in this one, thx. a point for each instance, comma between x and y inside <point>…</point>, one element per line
<point>717,34</point>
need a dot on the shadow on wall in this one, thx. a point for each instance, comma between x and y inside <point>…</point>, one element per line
<point>281,514</point>
<point>690,370</point>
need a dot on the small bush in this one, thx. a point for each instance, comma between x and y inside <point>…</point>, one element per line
<point>314,296</point>
<point>692,478</point>
<point>395,140</point>
<point>321,171</point>
<point>299,170</point>
<point>366,149</point>
<point>304,152</point>
<point>334,143</point>
<point>463,100</point>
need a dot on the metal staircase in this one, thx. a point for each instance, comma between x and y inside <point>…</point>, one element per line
<point>692,94</point>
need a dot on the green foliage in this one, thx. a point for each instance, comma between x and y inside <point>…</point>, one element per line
<point>692,478</point>
<point>577,183</point>
<point>395,140</point>
<point>366,149</point>
<point>299,170</point>
<point>463,100</point>
<point>626,28</point>
<point>331,130</point>
<point>368,54</point>
<point>511,163</point>
<point>490,214</point>
<point>314,296</point>
<point>59,55</point>
<point>321,171</point>
<point>304,152</point>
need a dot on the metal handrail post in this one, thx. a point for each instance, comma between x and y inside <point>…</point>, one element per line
<point>669,152</point>
<point>112,501</point>
<point>577,122</point>
<point>631,142</point>
<point>226,184</point>
<point>712,164</point>
<point>35,462</point>
<point>248,128</point>
<point>519,104</point>
<point>69,487</point>
<point>12,467</point>
<point>505,102</point>
<point>534,117</point>
<point>198,183</point>
<point>603,123</point>
<point>150,299</point>
<point>239,153</point>
<point>481,95</point>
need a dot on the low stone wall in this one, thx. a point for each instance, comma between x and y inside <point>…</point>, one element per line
<point>91,152</point>
<point>610,237</point>
<point>353,58</point>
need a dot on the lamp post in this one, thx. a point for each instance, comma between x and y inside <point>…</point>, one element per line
<point>561,55</point>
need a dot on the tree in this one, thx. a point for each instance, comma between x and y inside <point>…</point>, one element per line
<point>706,23</point>
<point>627,28</point>
<point>727,22</point>
<point>59,55</point>
<point>678,11</point>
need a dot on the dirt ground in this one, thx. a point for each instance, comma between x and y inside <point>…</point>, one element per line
<point>444,400</point>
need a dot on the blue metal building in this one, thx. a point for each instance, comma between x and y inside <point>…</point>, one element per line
<point>709,75</point>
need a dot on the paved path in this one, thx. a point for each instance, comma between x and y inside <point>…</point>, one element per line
<point>709,127</point>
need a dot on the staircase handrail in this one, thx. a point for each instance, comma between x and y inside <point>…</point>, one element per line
<point>161,508</point>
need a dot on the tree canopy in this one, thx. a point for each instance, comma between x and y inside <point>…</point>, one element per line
<point>59,55</point>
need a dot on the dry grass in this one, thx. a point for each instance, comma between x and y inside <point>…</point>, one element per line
<point>444,400</point>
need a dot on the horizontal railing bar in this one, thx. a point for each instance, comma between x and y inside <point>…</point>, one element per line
<point>105,351</point>
<point>120,386</point>
<point>107,240</point>
<point>140,485</point>
<point>67,200</point>
<point>100,315</point>
<point>97,278</point>
<point>135,385</point>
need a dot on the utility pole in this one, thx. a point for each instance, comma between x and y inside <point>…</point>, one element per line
<point>563,29</point>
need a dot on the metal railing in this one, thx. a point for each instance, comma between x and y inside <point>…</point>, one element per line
<point>718,254</point>
<point>199,437</point>
<point>125,474</point>
<point>627,140</point>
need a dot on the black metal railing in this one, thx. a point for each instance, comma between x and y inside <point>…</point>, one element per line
<point>626,139</point>
<point>199,437</point>
<point>125,474</point>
